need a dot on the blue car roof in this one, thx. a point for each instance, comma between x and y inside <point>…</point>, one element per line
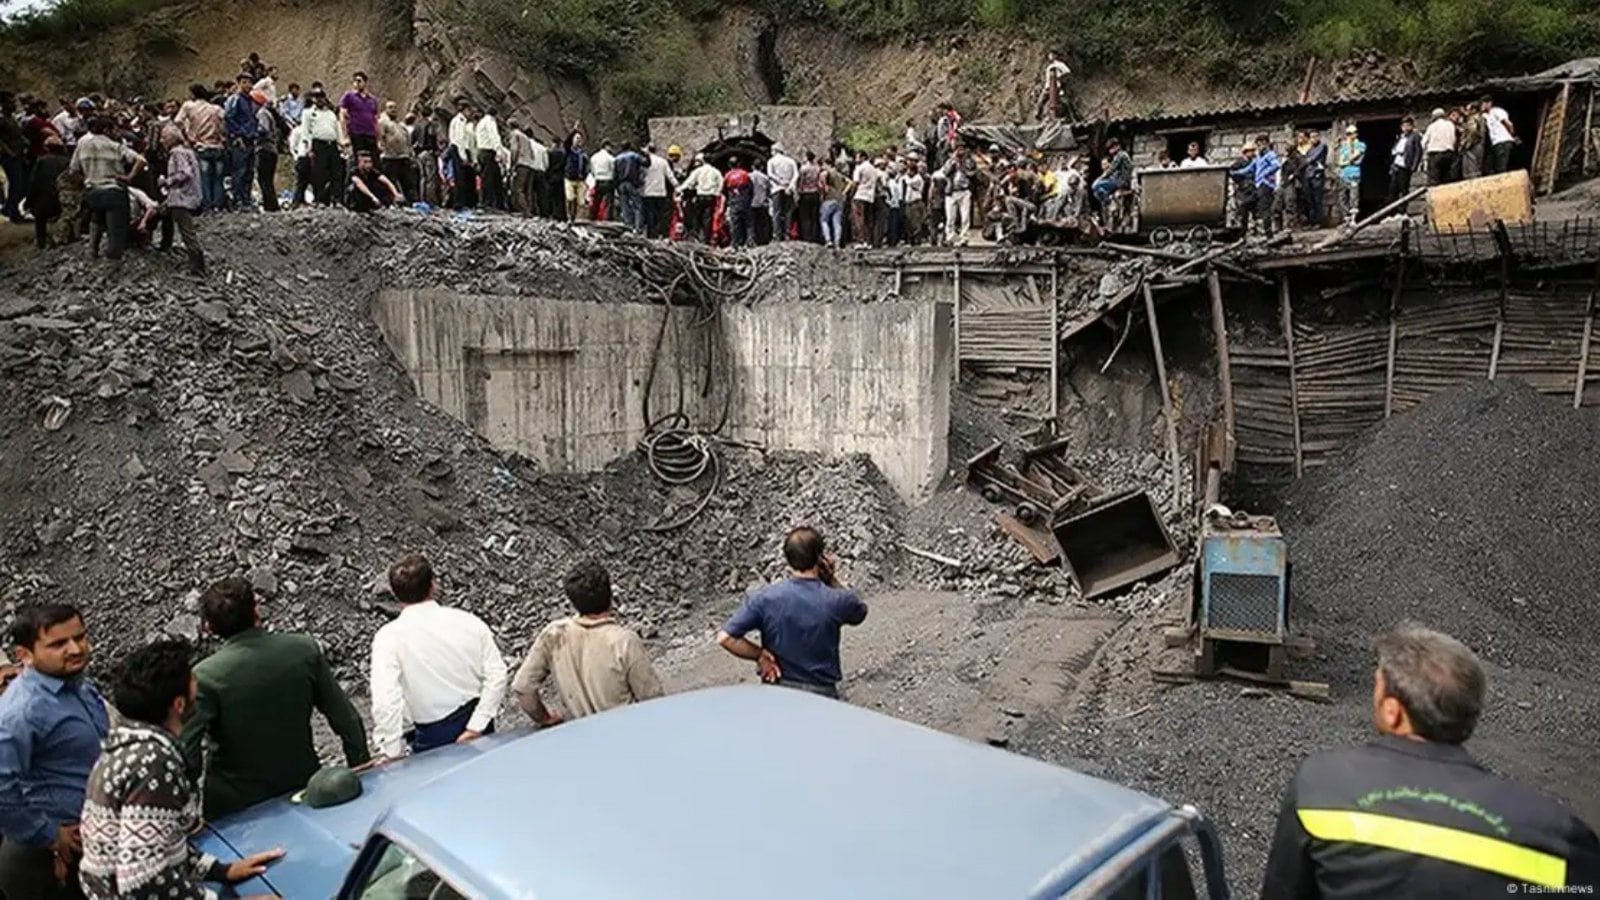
<point>695,795</point>
<point>322,843</point>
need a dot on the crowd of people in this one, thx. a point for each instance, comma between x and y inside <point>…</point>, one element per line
<point>1286,186</point>
<point>114,171</point>
<point>98,800</point>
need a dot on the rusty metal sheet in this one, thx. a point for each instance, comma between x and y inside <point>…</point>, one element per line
<point>1038,541</point>
<point>1180,197</point>
<point>1477,202</point>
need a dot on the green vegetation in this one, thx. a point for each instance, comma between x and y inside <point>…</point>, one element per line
<point>564,37</point>
<point>68,20</point>
<point>642,52</point>
<point>869,137</point>
<point>980,72</point>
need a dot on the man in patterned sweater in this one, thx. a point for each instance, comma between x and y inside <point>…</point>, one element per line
<point>141,805</point>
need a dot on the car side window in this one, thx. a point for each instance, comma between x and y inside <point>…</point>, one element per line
<point>399,875</point>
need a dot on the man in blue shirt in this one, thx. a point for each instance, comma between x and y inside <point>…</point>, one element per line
<point>51,724</point>
<point>244,132</point>
<point>1263,173</point>
<point>799,619</point>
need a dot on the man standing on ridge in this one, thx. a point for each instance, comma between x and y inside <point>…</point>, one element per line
<point>358,113</point>
<point>784,175</point>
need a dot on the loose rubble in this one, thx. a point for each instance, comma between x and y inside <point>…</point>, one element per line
<point>170,431</point>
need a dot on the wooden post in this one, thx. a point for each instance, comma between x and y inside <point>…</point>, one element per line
<point>899,278</point>
<point>957,279</point>
<point>1055,344</point>
<point>1588,333</point>
<point>1504,244</point>
<point>1219,324</point>
<point>1166,395</point>
<point>1588,132</point>
<point>1287,316</point>
<point>1561,127</point>
<point>1394,319</point>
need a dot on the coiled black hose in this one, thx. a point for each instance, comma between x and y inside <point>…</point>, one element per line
<point>678,455</point>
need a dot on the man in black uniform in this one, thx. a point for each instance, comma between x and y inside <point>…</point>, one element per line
<point>1411,814</point>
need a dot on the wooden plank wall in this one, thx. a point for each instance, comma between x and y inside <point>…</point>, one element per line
<point>1263,412</point>
<point>1444,336</point>
<point>1007,321</point>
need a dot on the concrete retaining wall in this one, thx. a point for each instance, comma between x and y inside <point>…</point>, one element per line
<point>564,382</point>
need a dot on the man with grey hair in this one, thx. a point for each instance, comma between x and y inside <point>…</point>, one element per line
<point>1411,814</point>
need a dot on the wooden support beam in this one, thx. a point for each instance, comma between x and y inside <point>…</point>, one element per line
<point>1286,314</point>
<point>1166,395</point>
<point>1588,132</point>
<point>1055,345</point>
<point>899,278</point>
<point>956,277</point>
<point>1375,217</point>
<point>1588,334</point>
<point>1394,318</point>
<point>1561,127</point>
<point>1503,241</point>
<point>1219,324</point>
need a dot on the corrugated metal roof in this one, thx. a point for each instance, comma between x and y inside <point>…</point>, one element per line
<point>1587,69</point>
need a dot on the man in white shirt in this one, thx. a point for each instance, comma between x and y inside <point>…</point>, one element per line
<point>491,152</point>
<point>321,129</point>
<point>1502,136</point>
<point>300,152</point>
<point>433,667</point>
<point>69,122</point>
<point>784,174</point>
<point>1050,92</point>
<point>699,193</point>
<point>659,183</point>
<point>1193,158</point>
<point>864,193</point>
<point>268,85</point>
<point>603,166</point>
<point>1439,147</point>
<point>463,150</point>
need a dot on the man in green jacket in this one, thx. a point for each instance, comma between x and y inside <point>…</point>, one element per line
<point>251,728</point>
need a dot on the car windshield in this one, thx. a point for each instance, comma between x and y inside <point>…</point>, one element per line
<point>398,875</point>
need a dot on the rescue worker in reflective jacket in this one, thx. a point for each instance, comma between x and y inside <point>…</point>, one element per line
<point>1412,814</point>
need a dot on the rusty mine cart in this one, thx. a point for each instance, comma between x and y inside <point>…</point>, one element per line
<point>1189,205</point>
<point>1104,540</point>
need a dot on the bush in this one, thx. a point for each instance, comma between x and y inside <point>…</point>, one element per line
<point>869,137</point>
<point>564,37</point>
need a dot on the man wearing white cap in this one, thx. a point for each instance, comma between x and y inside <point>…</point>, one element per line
<point>1439,147</point>
<point>1348,156</point>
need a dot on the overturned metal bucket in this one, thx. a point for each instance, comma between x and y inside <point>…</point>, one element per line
<point>1116,542</point>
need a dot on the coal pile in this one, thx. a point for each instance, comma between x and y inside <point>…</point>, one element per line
<point>163,431</point>
<point>1476,514</point>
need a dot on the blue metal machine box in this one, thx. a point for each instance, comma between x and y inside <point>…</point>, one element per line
<point>1244,575</point>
